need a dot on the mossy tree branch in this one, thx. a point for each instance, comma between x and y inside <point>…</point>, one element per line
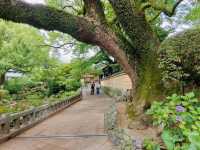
<point>48,18</point>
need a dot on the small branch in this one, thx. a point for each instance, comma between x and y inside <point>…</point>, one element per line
<point>145,6</point>
<point>164,10</point>
<point>70,6</point>
<point>156,16</point>
<point>174,9</point>
<point>58,47</point>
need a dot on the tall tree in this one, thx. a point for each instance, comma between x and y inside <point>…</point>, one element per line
<point>19,48</point>
<point>129,38</point>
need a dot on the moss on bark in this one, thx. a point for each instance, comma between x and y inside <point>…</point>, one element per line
<point>149,86</point>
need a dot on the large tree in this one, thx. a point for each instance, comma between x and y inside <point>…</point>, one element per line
<point>129,38</point>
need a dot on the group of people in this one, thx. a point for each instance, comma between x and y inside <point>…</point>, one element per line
<point>97,86</point>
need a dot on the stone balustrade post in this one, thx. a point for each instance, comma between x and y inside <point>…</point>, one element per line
<point>17,123</point>
<point>5,126</point>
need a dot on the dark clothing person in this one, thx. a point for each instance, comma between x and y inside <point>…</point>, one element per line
<point>92,88</point>
<point>98,91</point>
<point>98,88</point>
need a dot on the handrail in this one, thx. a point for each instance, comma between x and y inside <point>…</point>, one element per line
<point>12,124</point>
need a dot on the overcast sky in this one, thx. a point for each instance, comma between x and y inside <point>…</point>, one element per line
<point>35,1</point>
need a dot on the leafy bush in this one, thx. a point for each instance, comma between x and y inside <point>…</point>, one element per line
<point>3,94</point>
<point>179,116</point>
<point>72,84</point>
<point>36,101</point>
<point>3,109</point>
<point>13,86</point>
<point>150,145</point>
<point>54,87</point>
<point>16,85</point>
<point>180,58</point>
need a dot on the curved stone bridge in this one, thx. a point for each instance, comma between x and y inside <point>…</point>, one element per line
<point>79,127</point>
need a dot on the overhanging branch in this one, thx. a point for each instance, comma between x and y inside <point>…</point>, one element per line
<point>59,46</point>
<point>48,18</point>
<point>173,9</point>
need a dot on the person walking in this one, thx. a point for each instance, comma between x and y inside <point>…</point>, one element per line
<point>98,86</point>
<point>92,88</point>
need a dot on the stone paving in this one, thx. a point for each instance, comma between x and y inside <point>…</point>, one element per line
<point>79,127</point>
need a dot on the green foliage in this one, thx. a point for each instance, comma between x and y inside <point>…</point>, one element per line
<point>194,139</point>
<point>81,49</point>
<point>44,79</point>
<point>3,94</point>
<point>20,49</point>
<point>180,58</point>
<point>179,116</point>
<point>82,67</point>
<point>55,3</point>
<point>168,139</point>
<point>32,100</point>
<point>15,85</point>
<point>109,12</point>
<point>71,6</point>
<point>160,32</point>
<point>72,84</point>
<point>57,78</point>
<point>150,145</point>
<point>194,14</point>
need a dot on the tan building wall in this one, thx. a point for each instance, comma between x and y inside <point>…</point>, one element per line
<point>120,81</point>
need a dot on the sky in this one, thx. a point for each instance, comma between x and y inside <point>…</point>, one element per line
<point>177,23</point>
<point>35,1</point>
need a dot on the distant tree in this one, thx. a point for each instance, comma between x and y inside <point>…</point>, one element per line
<point>19,49</point>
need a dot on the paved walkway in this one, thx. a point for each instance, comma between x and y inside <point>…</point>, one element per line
<point>80,127</point>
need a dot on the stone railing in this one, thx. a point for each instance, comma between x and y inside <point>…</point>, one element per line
<point>14,124</point>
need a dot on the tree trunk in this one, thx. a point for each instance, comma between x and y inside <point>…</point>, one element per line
<point>149,83</point>
<point>2,79</point>
<point>145,46</point>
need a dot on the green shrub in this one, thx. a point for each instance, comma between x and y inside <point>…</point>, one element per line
<point>3,109</point>
<point>179,116</point>
<point>72,84</point>
<point>36,102</point>
<point>180,58</point>
<point>14,85</point>
<point>150,145</point>
<point>3,94</point>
